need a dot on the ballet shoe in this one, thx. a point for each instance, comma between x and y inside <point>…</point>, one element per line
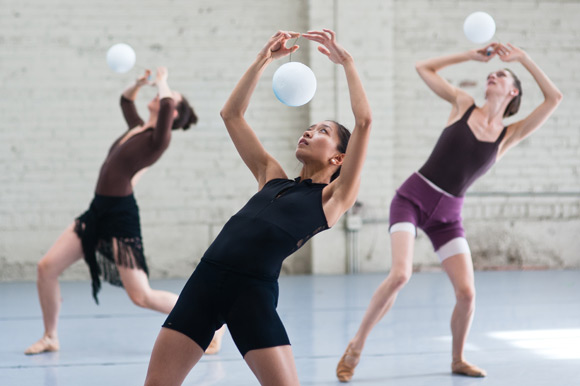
<point>462,367</point>
<point>45,344</point>
<point>344,370</point>
<point>216,343</point>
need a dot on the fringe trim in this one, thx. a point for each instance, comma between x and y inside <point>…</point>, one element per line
<point>124,252</point>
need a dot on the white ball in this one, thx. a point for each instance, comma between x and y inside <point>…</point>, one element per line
<point>121,57</point>
<point>294,84</point>
<point>479,27</point>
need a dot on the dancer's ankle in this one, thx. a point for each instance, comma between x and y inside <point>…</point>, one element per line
<point>456,359</point>
<point>50,335</point>
<point>356,345</point>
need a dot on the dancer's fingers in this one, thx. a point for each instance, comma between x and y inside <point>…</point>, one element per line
<point>324,50</point>
<point>331,33</point>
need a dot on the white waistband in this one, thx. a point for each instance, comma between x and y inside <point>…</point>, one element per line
<point>435,186</point>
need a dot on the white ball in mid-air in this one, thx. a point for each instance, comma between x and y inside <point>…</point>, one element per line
<point>294,84</point>
<point>121,57</point>
<point>479,27</point>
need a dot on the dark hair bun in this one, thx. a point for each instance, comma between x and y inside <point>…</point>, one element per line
<point>185,115</point>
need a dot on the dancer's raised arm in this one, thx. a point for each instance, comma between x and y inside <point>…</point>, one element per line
<point>262,165</point>
<point>552,97</point>
<point>342,192</point>
<point>128,101</point>
<point>428,71</point>
<point>166,114</point>
<point>132,91</point>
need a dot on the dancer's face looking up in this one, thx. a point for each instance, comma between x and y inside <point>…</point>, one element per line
<point>324,142</point>
<point>505,83</point>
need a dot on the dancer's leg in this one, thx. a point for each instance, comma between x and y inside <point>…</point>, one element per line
<point>459,268</point>
<point>136,284</point>
<point>216,343</point>
<point>173,356</point>
<point>65,251</point>
<point>273,365</point>
<point>402,244</point>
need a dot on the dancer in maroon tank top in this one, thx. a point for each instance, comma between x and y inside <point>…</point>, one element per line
<point>108,235</point>
<point>432,198</point>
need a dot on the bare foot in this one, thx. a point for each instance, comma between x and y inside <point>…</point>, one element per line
<point>45,344</point>
<point>463,367</point>
<point>216,343</point>
<point>346,364</point>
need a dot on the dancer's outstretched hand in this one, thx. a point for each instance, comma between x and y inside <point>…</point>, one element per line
<point>162,75</point>
<point>276,48</point>
<point>510,53</point>
<point>485,54</point>
<point>143,80</point>
<point>330,46</point>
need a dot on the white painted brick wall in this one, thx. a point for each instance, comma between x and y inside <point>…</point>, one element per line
<point>59,109</point>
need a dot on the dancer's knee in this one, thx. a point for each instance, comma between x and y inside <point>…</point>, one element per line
<point>465,295</point>
<point>139,298</point>
<point>399,278</point>
<point>45,270</point>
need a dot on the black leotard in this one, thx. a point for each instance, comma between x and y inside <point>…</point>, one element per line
<point>459,158</point>
<point>236,281</point>
<point>276,221</point>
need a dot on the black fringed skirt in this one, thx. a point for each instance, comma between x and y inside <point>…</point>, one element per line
<point>110,233</point>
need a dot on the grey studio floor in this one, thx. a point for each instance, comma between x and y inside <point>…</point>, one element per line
<point>526,332</point>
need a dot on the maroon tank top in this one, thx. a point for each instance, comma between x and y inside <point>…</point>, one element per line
<point>139,151</point>
<point>459,158</point>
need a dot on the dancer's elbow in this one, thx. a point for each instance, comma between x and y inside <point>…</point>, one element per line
<point>364,122</point>
<point>229,114</point>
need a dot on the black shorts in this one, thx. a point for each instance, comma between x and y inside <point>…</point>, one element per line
<point>213,296</point>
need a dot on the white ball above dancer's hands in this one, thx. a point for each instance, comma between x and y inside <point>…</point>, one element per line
<point>294,84</point>
<point>479,27</point>
<point>121,57</point>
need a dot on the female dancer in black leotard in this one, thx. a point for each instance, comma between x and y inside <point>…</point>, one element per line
<point>109,233</point>
<point>431,199</point>
<point>236,280</point>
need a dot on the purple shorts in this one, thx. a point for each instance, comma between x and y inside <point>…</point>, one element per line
<point>434,212</point>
